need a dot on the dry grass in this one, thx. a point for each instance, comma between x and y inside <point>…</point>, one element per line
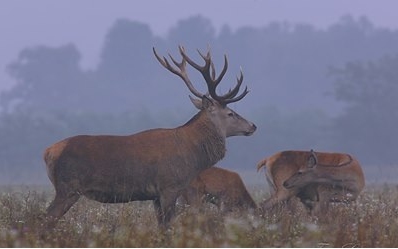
<point>370,222</point>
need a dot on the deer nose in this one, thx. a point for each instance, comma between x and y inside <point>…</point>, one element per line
<point>252,130</point>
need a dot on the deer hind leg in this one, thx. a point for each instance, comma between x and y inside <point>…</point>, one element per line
<point>158,210</point>
<point>59,206</point>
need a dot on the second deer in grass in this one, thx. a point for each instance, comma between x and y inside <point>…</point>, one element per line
<point>317,178</point>
<point>221,187</point>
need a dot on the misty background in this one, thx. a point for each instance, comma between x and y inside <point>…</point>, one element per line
<point>333,88</point>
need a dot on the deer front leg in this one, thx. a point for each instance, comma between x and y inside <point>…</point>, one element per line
<point>165,207</point>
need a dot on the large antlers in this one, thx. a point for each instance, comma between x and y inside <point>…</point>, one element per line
<point>209,74</point>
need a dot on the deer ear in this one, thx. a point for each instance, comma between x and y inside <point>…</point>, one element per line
<point>202,104</point>
<point>207,103</point>
<point>196,102</point>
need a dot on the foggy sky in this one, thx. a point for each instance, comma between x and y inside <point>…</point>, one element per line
<point>85,23</point>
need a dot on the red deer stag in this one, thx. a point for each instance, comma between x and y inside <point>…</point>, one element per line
<point>155,164</point>
<point>317,178</point>
<point>221,187</point>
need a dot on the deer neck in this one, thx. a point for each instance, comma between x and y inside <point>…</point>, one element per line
<point>205,139</point>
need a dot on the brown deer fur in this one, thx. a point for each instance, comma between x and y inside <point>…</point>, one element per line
<point>332,177</point>
<point>222,187</point>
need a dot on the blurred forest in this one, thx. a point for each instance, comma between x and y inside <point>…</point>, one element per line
<point>333,89</point>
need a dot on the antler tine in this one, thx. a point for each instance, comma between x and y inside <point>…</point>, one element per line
<point>241,96</point>
<point>191,62</point>
<point>213,71</point>
<point>232,93</point>
<point>208,72</point>
<point>212,67</point>
<point>204,70</point>
<point>229,97</point>
<point>223,71</point>
<point>180,65</point>
<point>161,61</point>
<point>182,73</point>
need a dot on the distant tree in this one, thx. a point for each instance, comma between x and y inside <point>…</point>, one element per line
<point>126,67</point>
<point>369,123</point>
<point>46,78</point>
<point>126,57</point>
<point>193,32</point>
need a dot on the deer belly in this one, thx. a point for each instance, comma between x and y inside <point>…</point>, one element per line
<point>119,197</point>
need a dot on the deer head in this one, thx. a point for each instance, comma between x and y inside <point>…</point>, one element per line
<point>228,121</point>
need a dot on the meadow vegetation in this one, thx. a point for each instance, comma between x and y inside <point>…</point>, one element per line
<point>372,221</point>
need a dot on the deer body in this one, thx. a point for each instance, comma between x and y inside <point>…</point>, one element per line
<point>153,165</point>
<point>222,187</point>
<point>316,178</point>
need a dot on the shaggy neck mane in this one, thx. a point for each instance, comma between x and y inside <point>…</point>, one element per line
<point>205,139</point>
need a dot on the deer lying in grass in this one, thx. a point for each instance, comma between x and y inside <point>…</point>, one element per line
<point>221,187</point>
<point>317,178</point>
<point>154,164</point>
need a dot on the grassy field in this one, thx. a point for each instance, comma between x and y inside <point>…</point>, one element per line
<point>370,222</point>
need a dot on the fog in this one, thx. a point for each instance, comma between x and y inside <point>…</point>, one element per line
<point>327,86</point>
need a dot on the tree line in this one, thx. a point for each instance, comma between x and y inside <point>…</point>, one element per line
<point>330,89</point>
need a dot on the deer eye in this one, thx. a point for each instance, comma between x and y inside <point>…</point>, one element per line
<point>231,114</point>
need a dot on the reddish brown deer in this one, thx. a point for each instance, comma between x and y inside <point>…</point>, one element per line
<point>317,178</point>
<point>221,187</point>
<point>154,164</point>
